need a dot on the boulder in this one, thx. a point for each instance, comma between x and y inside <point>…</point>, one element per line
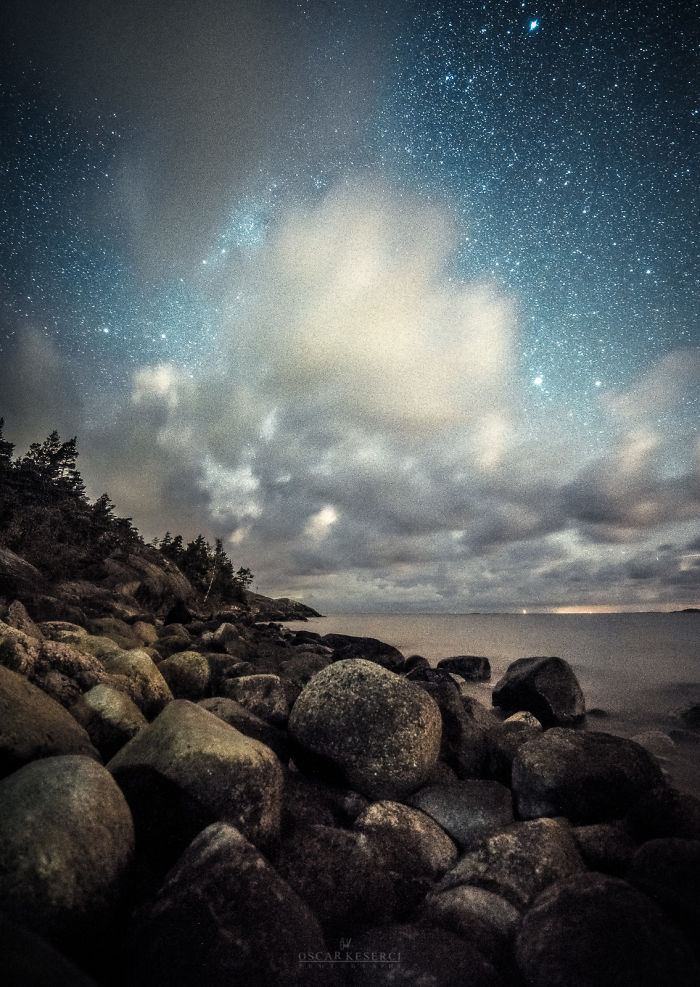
<point>407,840</point>
<point>519,862</point>
<point>545,687</point>
<point>586,776</point>
<point>224,916</point>
<point>337,873</point>
<point>470,667</point>
<point>110,718</point>
<point>597,931</point>
<point>248,723</point>
<point>665,812</point>
<point>32,725</point>
<point>605,847</point>
<point>358,724</point>
<point>469,811</point>
<point>263,695</point>
<point>466,743</point>
<point>188,769</point>
<point>347,646</point>
<point>146,685</point>
<point>18,578</point>
<point>187,675</point>
<point>474,914</point>
<point>417,956</point>
<point>668,870</point>
<point>61,630</point>
<point>227,638</point>
<point>66,842</point>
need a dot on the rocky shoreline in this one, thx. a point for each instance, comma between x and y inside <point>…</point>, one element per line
<point>193,797</point>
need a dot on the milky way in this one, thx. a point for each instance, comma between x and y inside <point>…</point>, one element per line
<point>522,171</point>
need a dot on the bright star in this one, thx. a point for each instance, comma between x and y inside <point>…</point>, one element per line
<point>534,25</point>
<point>538,381</point>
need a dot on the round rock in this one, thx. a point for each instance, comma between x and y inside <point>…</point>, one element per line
<point>407,840</point>
<point>586,776</point>
<point>545,687</point>
<point>358,724</point>
<point>66,841</point>
<point>224,916</point>
<point>110,718</point>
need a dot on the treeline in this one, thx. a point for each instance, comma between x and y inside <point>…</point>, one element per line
<point>207,567</point>
<point>46,517</point>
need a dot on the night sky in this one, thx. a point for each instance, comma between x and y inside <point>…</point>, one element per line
<point>399,300</point>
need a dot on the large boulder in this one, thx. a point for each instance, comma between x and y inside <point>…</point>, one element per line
<point>18,618</point>
<point>605,847</point>
<point>545,687</point>
<point>224,916</point>
<point>188,769</point>
<point>361,725</point>
<point>586,776</point>
<point>66,842</point>
<point>110,718</point>
<point>407,840</point>
<point>665,812</point>
<point>596,931</point>
<point>32,725</point>
<point>470,667</point>
<point>476,914</point>
<point>144,682</point>
<point>519,862</point>
<point>469,811</point>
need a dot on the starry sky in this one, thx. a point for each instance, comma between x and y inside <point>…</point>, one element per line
<point>399,300</point>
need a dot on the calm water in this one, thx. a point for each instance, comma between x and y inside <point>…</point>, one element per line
<point>641,669</point>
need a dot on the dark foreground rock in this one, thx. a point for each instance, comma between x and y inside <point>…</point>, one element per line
<point>597,931</point>
<point>357,724</point>
<point>668,870</point>
<point>586,776</point>
<point>339,875</point>
<point>475,914</point>
<point>224,916</point>
<point>415,954</point>
<point>32,725</point>
<point>188,769</point>
<point>545,687</point>
<point>347,646</point>
<point>66,842</point>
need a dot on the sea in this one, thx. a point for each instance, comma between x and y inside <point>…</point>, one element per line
<point>638,671</point>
